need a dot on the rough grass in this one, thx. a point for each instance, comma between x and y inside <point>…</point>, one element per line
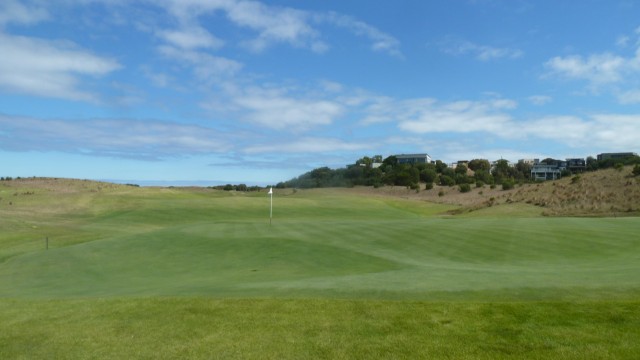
<point>166,273</point>
<point>609,192</point>
<point>202,328</point>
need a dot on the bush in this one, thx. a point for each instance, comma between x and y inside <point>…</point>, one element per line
<point>441,193</point>
<point>414,186</point>
<point>619,166</point>
<point>493,186</point>
<point>636,170</point>
<point>429,186</point>
<point>479,183</point>
<point>465,188</point>
<point>508,185</point>
<point>447,180</point>
<point>575,179</point>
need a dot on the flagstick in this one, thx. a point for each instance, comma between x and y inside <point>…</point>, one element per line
<point>271,207</point>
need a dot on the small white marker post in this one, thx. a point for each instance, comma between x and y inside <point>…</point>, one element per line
<point>271,207</point>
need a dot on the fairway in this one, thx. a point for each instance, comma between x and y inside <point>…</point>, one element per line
<point>116,249</point>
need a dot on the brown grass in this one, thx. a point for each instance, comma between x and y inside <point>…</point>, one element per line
<point>602,193</point>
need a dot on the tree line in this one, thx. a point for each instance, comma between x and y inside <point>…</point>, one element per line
<point>391,172</point>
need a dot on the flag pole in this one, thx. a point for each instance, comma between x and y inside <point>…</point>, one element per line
<point>271,207</point>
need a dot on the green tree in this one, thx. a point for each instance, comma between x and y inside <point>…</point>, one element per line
<point>484,176</point>
<point>390,161</point>
<point>407,175</point>
<point>461,169</point>
<point>428,175</point>
<point>446,180</point>
<point>508,184</point>
<point>480,164</point>
<point>592,163</point>
<point>465,188</point>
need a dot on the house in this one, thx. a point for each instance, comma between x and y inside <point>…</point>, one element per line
<point>576,165</point>
<point>545,172</point>
<point>607,156</point>
<point>413,158</point>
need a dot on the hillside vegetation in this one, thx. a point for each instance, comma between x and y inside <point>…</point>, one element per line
<point>609,192</point>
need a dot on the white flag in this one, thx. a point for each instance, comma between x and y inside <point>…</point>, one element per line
<point>270,191</point>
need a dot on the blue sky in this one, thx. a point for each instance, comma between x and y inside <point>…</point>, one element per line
<point>258,92</point>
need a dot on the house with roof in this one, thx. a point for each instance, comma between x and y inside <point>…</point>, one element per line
<point>413,158</point>
<point>542,172</point>
<point>620,155</point>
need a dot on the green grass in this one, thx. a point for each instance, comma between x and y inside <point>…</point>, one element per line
<point>148,273</point>
<point>326,329</point>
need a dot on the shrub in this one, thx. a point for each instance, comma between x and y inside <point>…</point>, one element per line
<point>575,179</point>
<point>465,188</point>
<point>441,193</point>
<point>479,183</point>
<point>429,186</point>
<point>493,186</point>
<point>619,166</point>
<point>636,170</point>
<point>447,180</point>
<point>507,185</point>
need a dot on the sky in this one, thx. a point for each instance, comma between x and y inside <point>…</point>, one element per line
<point>257,92</point>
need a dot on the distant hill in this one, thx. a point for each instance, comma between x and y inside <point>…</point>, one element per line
<point>608,192</point>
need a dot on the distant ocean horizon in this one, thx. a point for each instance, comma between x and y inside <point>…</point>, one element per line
<point>167,183</point>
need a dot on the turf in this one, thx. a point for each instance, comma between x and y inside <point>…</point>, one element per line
<point>337,275</point>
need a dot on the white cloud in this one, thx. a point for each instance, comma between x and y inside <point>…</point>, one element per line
<point>279,24</point>
<point>205,66</point>
<point>481,52</point>
<point>310,145</point>
<point>15,12</point>
<point>540,100</point>
<point>615,131</point>
<point>629,97</point>
<point>119,138</point>
<point>190,38</point>
<point>597,68</point>
<point>622,41</point>
<point>273,24</point>
<point>610,132</point>
<point>280,111</point>
<point>381,41</point>
<point>48,68</point>
<point>428,115</point>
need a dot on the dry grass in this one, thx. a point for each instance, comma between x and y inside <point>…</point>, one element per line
<point>602,193</point>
